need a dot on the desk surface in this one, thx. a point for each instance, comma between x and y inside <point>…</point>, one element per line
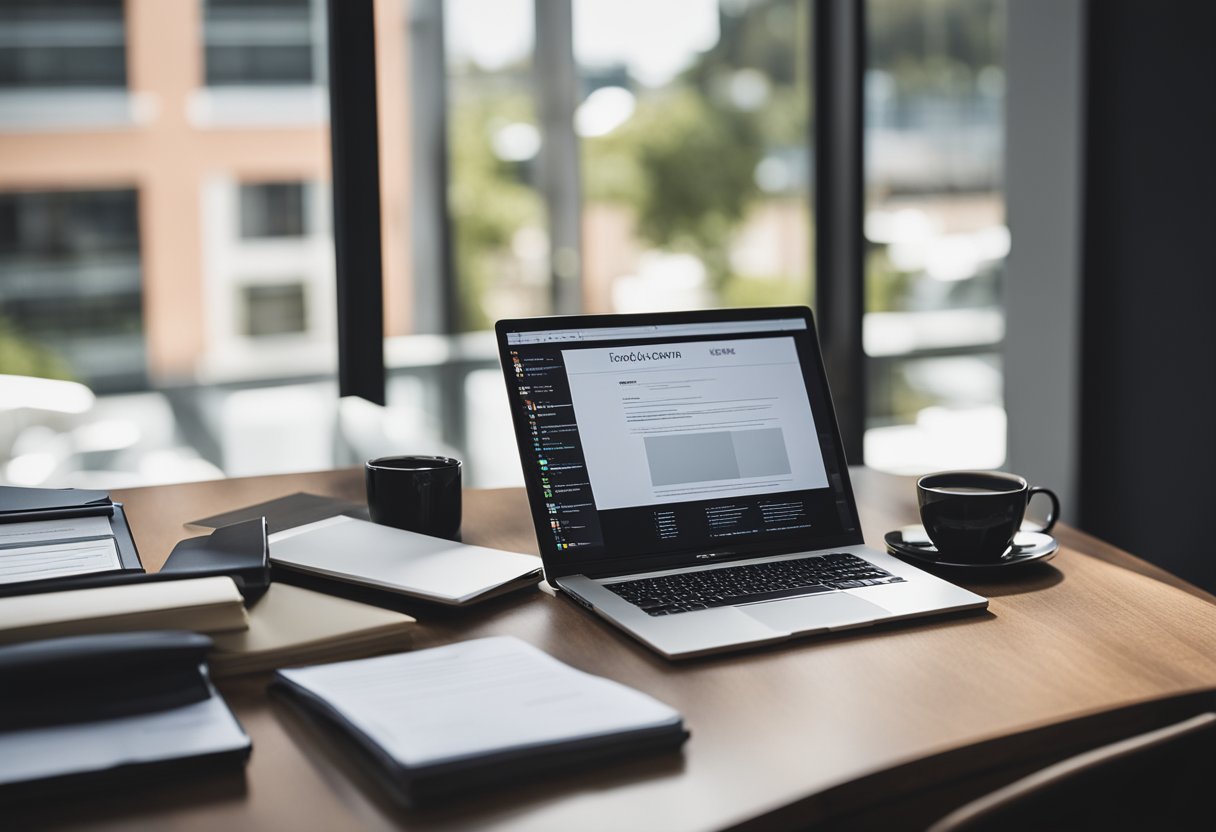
<point>784,736</point>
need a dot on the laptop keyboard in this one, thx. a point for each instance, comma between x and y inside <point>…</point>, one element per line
<point>689,591</point>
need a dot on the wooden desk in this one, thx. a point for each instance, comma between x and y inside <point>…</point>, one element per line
<point>887,726</point>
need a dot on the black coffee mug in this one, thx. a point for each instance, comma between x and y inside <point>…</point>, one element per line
<point>418,493</point>
<point>972,516</point>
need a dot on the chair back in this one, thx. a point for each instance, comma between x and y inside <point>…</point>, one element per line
<point>1155,780</point>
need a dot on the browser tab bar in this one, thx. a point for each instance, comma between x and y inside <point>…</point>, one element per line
<point>547,336</point>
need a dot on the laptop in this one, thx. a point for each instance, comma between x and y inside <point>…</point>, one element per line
<point>688,484</point>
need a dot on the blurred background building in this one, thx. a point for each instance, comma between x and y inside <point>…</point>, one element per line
<point>167,301</point>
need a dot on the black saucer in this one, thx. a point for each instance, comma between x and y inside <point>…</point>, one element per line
<point>912,543</point>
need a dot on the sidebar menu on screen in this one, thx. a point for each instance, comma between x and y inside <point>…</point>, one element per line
<point>553,459</point>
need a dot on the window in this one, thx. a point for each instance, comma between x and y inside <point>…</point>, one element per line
<point>70,287</point>
<point>936,238</point>
<point>500,241</point>
<point>665,166</point>
<point>252,42</point>
<point>634,155</point>
<point>67,225</point>
<point>275,209</point>
<point>692,124</point>
<point>72,43</point>
<point>693,119</point>
<point>195,294</point>
<point>275,309</point>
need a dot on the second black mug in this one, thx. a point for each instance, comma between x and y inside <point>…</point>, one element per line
<point>418,493</point>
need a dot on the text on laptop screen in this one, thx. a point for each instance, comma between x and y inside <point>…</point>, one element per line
<point>664,438</point>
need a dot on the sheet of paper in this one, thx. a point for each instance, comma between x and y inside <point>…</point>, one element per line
<point>477,697</point>
<point>48,531</point>
<point>200,728</point>
<point>58,560</point>
<point>376,555</point>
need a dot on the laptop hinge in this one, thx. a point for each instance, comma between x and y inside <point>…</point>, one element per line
<point>653,563</point>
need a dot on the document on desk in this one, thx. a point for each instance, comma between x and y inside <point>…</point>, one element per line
<point>291,625</point>
<point>201,729</point>
<point>480,711</point>
<point>382,557</point>
<point>205,605</point>
<point>40,549</point>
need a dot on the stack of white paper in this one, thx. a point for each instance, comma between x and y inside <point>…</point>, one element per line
<point>40,549</point>
<point>451,718</point>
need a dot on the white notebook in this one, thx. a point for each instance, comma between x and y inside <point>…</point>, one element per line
<point>382,557</point>
<point>445,720</point>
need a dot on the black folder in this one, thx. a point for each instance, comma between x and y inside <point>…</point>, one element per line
<point>90,712</point>
<point>239,550</point>
<point>19,505</point>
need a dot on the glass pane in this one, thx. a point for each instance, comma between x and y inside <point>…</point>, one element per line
<point>166,264</point>
<point>439,370</point>
<point>694,126</point>
<point>935,230</point>
<point>425,406</point>
<point>71,43</point>
<point>261,42</point>
<point>275,310</point>
<point>500,240</point>
<point>692,121</point>
<point>70,290</point>
<point>272,209</point>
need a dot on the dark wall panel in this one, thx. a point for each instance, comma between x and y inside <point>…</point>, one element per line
<point>1148,438</point>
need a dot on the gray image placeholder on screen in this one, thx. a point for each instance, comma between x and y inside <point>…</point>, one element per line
<point>719,455</point>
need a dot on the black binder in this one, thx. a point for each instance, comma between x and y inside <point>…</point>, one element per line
<point>125,682</point>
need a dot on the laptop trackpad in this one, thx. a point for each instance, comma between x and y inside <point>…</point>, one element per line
<point>829,610</point>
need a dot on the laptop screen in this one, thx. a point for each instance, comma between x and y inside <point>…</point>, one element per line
<point>654,441</point>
